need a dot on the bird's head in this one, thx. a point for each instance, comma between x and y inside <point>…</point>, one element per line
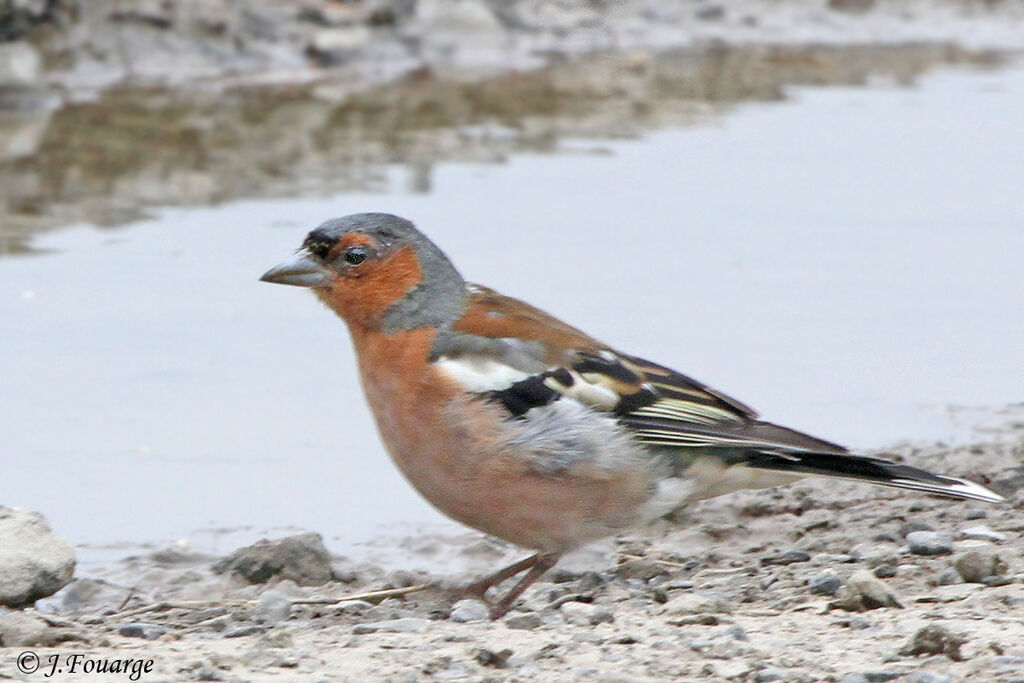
<point>377,271</point>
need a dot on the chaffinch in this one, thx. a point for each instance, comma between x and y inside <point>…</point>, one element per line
<point>514,423</point>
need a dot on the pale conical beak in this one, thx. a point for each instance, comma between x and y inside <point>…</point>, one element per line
<point>300,270</point>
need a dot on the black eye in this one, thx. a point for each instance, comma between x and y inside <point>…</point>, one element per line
<point>355,255</point>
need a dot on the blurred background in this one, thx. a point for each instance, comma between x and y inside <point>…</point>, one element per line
<point>815,207</point>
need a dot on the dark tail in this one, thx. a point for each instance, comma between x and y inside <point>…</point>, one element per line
<point>869,469</point>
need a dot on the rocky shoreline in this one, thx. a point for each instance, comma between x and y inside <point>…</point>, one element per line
<point>817,581</point>
<point>54,51</point>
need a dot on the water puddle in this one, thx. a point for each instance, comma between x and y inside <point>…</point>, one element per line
<point>847,261</point>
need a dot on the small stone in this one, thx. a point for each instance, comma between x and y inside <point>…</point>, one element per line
<point>24,629</point>
<point>930,542</point>
<point>524,622</point>
<point>401,625</point>
<point>641,568</point>
<point>34,562</point>
<point>934,639</point>
<point>602,615</point>
<point>912,525</point>
<point>301,558</point>
<point>577,613</point>
<point>924,676</point>
<point>243,631</point>
<point>788,557</point>
<point>977,565</point>
<point>859,623</point>
<point>736,632</point>
<point>273,607</point>
<point>982,533</point>
<point>973,513</point>
<point>695,603</point>
<point>949,577</point>
<point>825,584</point>
<point>768,675</point>
<point>465,611</point>
<point>142,630</point>
<point>880,676</point>
<point>853,678</point>
<point>864,591</point>
<point>498,660</point>
<point>885,571</point>
<point>208,674</point>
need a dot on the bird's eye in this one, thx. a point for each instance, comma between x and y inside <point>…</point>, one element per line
<point>355,255</point>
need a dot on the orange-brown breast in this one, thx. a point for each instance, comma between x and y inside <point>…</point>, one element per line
<point>455,449</point>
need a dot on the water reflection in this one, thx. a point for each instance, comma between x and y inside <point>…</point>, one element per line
<point>105,162</point>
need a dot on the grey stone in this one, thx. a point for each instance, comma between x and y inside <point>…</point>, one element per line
<point>301,558</point>
<point>880,676</point>
<point>768,675</point>
<point>865,591</point>
<point>22,629</point>
<point>402,625</point>
<point>912,525</point>
<point>859,623</point>
<point>696,603</point>
<point>930,542</point>
<point>142,630</point>
<point>577,613</point>
<point>949,576</point>
<point>924,676</point>
<point>243,631</point>
<point>273,607</point>
<point>885,571</point>
<point>982,533</point>
<point>468,610</point>
<point>934,639</point>
<point>853,678</point>
<point>524,622</point>
<point>34,562</point>
<point>977,565</point>
<point>825,584</point>
<point>788,557</point>
<point>974,513</point>
<point>20,65</point>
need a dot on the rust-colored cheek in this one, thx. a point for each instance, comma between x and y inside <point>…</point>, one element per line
<point>362,296</point>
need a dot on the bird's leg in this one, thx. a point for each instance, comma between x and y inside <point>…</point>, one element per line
<point>478,589</point>
<point>541,563</point>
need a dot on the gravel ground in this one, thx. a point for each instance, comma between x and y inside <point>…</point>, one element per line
<point>818,581</point>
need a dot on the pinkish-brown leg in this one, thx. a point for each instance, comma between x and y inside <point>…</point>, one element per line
<point>540,564</point>
<point>478,589</point>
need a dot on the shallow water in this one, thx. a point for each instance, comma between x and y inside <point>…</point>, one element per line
<point>848,262</point>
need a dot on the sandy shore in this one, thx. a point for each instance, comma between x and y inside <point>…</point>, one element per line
<point>815,581</point>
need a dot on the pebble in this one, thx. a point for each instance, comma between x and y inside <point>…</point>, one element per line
<point>982,533</point>
<point>853,678</point>
<point>977,565</point>
<point>928,677</point>
<point>885,571</point>
<point>243,631</point>
<point>949,577</point>
<point>864,591</point>
<point>402,625</point>
<point>524,622</point>
<point>912,525</point>
<point>934,639</point>
<point>789,557</point>
<point>975,513</point>
<point>142,630</point>
<point>465,611</point>
<point>825,584</point>
<point>881,676</point>
<point>930,542</point>
<point>498,660</point>
<point>859,623</point>
<point>273,607</point>
<point>695,603</point>
<point>768,675</point>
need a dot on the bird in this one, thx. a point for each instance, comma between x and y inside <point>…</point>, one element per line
<point>517,424</point>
